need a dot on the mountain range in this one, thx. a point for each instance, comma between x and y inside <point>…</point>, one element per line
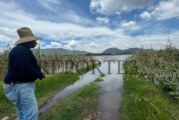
<point>119,51</point>
<point>110,51</point>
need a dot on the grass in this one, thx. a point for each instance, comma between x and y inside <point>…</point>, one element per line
<point>142,100</point>
<point>102,75</point>
<point>5,105</point>
<point>99,79</point>
<point>79,106</point>
<point>44,90</point>
<point>53,83</point>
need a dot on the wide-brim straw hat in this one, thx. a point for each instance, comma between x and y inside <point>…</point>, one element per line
<point>26,35</point>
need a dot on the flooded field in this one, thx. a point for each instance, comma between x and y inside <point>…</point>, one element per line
<point>111,87</point>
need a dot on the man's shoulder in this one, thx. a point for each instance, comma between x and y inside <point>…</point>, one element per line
<point>20,49</point>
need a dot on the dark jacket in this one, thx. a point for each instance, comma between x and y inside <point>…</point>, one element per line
<point>22,66</point>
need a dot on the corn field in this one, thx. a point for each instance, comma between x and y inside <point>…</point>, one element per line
<point>161,67</point>
<point>51,64</point>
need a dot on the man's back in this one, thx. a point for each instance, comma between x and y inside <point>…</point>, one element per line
<point>22,65</point>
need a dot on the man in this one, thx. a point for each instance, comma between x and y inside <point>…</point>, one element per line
<point>23,70</point>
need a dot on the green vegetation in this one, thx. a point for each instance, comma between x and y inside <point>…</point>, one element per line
<point>52,63</point>
<point>5,105</point>
<point>144,101</point>
<point>82,105</point>
<point>151,85</point>
<point>44,90</point>
<point>52,84</point>
<point>3,64</point>
<point>99,79</point>
<point>161,67</point>
<point>102,75</point>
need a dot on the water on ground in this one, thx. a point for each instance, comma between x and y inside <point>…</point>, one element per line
<point>111,87</point>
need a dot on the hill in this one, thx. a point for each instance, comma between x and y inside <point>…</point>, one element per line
<point>119,51</point>
<point>61,51</point>
<point>109,51</point>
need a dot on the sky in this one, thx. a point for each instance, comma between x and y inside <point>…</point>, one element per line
<point>92,25</point>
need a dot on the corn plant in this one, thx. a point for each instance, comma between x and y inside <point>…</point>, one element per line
<point>4,62</point>
<point>161,67</point>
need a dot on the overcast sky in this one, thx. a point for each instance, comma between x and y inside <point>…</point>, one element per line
<point>92,25</point>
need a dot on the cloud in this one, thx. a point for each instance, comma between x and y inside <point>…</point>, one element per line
<point>129,25</point>
<point>145,15</point>
<point>92,45</point>
<point>57,30</point>
<point>166,10</point>
<point>52,44</point>
<point>72,35</point>
<point>56,44</point>
<point>7,35</point>
<point>4,39</point>
<point>51,5</point>
<point>157,41</point>
<point>102,20</point>
<point>59,11</point>
<point>72,44</point>
<point>111,7</point>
